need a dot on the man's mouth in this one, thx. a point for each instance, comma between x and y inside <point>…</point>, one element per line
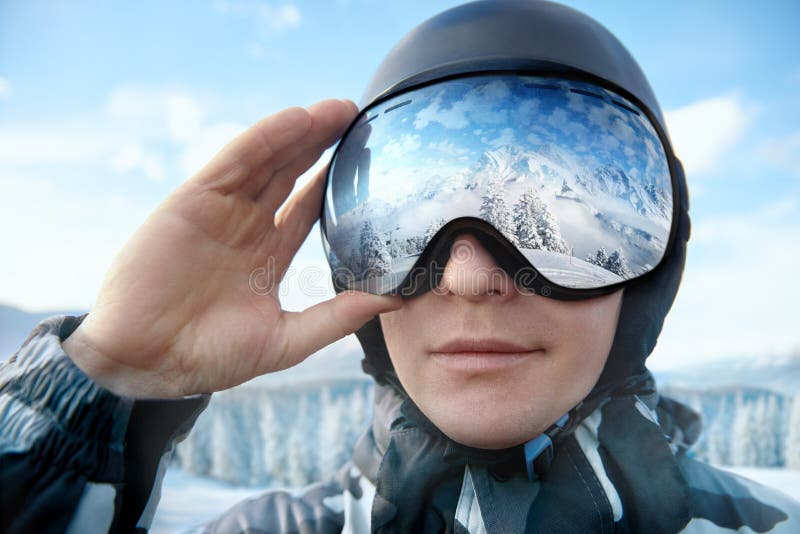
<point>481,354</point>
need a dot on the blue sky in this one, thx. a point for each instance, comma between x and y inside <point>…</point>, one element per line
<point>105,107</point>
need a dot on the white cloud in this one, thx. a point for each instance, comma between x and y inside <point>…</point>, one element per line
<point>449,148</point>
<point>739,293</point>
<point>280,18</point>
<point>5,88</point>
<point>482,104</point>
<point>506,137</point>
<point>272,17</point>
<point>783,153</point>
<point>175,117</point>
<point>67,142</point>
<point>704,131</point>
<point>59,232</point>
<point>158,113</point>
<point>562,120</point>
<point>199,148</point>
<point>129,134</point>
<point>49,209</point>
<point>454,118</point>
<point>399,148</point>
<point>184,116</point>
<point>131,158</point>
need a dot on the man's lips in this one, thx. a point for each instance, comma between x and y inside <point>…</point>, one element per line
<point>481,355</point>
<point>481,345</point>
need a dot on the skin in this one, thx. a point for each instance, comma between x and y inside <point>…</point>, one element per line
<point>505,405</point>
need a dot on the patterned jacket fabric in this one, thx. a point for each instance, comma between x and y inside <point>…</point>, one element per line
<point>75,457</point>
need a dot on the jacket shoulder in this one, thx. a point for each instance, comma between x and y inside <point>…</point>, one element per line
<point>723,501</point>
<point>342,504</point>
<point>314,509</point>
<point>73,455</point>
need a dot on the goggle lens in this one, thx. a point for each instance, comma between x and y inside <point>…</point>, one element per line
<point>572,174</point>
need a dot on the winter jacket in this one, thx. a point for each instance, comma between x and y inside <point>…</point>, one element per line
<point>75,457</point>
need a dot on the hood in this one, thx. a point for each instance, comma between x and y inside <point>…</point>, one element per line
<point>544,37</point>
<point>422,480</point>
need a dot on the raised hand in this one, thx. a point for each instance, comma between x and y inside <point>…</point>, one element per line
<point>176,314</point>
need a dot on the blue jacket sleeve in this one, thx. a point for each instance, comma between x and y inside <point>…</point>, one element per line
<point>74,456</point>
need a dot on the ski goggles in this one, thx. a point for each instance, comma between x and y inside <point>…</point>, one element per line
<point>567,183</point>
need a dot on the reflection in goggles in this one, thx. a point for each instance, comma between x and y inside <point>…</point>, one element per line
<point>570,173</point>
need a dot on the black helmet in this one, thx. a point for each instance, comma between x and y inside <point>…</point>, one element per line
<point>547,38</point>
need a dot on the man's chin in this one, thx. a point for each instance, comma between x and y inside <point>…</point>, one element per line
<point>491,434</point>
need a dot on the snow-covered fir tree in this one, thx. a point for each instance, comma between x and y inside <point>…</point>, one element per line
<point>718,442</point>
<point>744,447</point>
<point>414,244</point>
<point>617,264</point>
<point>777,422</point>
<point>767,425</point>
<point>700,448</point>
<point>375,257</point>
<point>565,188</point>
<point>331,446</point>
<point>792,446</point>
<point>353,260</point>
<point>194,453</point>
<point>495,211</point>
<point>525,220</point>
<point>300,458</point>
<point>297,472</point>
<point>433,228</point>
<point>614,262</point>
<point>599,258</point>
<point>229,458</point>
<point>248,413</point>
<point>549,232</point>
<point>395,246</point>
<point>273,444</point>
<point>357,413</point>
<point>784,411</point>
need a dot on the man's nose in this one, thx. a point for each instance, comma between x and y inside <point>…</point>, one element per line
<point>472,273</point>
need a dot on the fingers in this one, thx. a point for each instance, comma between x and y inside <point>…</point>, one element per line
<point>330,118</point>
<point>233,167</point>
<point>304,333</point>
<point>298,214</point>
<point>248,163</point>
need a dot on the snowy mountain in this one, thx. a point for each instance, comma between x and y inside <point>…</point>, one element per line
<point>780,374</point>
<point>16,325</point>
<point>552,168</point>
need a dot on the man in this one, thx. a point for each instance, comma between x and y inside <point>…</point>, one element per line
<point>512,393</point>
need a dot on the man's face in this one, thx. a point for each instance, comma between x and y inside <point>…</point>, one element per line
<point>490,365</point>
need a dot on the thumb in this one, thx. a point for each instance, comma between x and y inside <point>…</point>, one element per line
<point>304,333</point>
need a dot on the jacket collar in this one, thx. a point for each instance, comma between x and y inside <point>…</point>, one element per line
<point>615,467</point>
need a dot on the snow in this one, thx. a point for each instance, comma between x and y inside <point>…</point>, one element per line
<point>569,271</point>
<point>188,500</point>
<point>785,480</point>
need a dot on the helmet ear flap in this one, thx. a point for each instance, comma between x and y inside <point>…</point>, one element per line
<point>644,307</point>
<point>376,361</point>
